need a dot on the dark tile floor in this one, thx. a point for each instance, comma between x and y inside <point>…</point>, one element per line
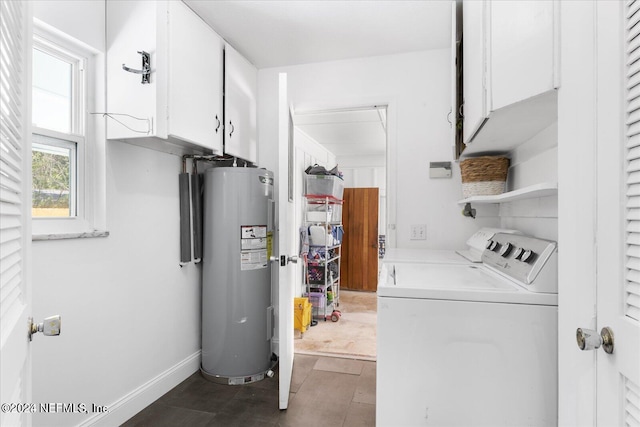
<point>325,391</point>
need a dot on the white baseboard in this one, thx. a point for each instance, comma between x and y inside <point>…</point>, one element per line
<point>135,401</point>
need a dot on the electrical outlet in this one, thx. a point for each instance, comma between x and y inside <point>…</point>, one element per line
<point>418,232</point>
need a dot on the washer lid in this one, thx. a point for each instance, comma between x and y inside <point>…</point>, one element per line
<point>443,256</point>
<point>455,282</point>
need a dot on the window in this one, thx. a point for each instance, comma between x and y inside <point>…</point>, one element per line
<point>67,150</point>
<point>58,130</point>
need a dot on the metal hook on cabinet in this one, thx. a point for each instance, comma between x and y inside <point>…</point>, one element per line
<point>146,67</point>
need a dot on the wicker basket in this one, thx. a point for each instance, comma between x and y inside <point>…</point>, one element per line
<point>484,176</point>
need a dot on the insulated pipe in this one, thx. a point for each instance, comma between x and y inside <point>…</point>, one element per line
<point>196,203</point>
<point>185,223</point>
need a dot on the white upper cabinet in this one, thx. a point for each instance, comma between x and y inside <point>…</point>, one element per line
<point>195,79</point>
<point>241,80</point>
<point>510,72</point>
<point>522,50</point>
<point>182,103</point>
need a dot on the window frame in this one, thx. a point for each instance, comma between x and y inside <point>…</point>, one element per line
<point>86,133</point>
<point>76,144</point>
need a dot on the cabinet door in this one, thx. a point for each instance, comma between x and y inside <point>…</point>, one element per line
<point>131,27</point>
<point>195,79</point>
<point>240,106</point>
<point>456,83</point>
<point>522,50</point>
<point>475,67</point>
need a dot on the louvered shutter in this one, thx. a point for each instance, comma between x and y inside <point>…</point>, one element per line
<point>632,291</point>
<point>631,393</point>
<point>15,203</point>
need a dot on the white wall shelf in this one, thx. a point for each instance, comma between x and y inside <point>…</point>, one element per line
<point>533,191</point>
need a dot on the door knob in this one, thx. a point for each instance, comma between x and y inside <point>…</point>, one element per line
<point>284,260</point>
<point>588,339</point>
<point>50,326</point>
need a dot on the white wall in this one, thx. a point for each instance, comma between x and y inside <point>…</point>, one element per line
<point>416,88</point>
<point>130,314</point>
<point>534,162</point>
<point>368,171</point>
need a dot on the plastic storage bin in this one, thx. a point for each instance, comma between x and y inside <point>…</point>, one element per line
<point>324,185</point>
<point>321,212</point>
<point>301,314</point>
<point>318,299</point>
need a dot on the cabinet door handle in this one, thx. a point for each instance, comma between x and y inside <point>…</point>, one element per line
<point>461,111</point>
<point>218,127</point>
<point>232,128</point>
<point>146,67</point>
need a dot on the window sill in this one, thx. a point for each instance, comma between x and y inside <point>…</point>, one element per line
<point>63,236</point>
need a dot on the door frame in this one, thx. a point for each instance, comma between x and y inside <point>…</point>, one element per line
<point>576,212</point>
<point>390,155</point>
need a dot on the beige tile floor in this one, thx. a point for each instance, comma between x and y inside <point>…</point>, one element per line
<point>353,336</point>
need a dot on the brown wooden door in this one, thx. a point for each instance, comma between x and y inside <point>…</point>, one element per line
<point>359,260</point>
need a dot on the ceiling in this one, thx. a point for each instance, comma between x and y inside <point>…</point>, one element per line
<point>347,132</point>
<point>273,33</point>
<point>290,32</point>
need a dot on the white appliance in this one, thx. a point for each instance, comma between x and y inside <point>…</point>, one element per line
<point>237,314</point>
<point>475,245</point>
<point>470,344</point>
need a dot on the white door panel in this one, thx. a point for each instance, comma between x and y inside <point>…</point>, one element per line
<point>286,248</point>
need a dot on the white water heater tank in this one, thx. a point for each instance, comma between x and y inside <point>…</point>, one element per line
<point>237,314</point>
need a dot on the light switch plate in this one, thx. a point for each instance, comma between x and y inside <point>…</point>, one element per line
<point>418,232</point>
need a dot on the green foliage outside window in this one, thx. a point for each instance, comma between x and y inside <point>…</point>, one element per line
<point>50,180</point>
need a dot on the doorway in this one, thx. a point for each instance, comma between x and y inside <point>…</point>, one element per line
<point>355,139</point>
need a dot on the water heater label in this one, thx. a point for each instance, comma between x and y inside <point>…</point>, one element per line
<point>253,260</point>
<point>253,245</point>
<point>253,231</point>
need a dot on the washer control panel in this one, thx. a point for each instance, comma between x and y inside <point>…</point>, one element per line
<point>528,260</point>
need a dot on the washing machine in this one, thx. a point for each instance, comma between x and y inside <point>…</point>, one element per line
<point>470,344</point>
<point>475,245</point>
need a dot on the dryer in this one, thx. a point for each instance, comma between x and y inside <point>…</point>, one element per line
<point>470,344</point>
